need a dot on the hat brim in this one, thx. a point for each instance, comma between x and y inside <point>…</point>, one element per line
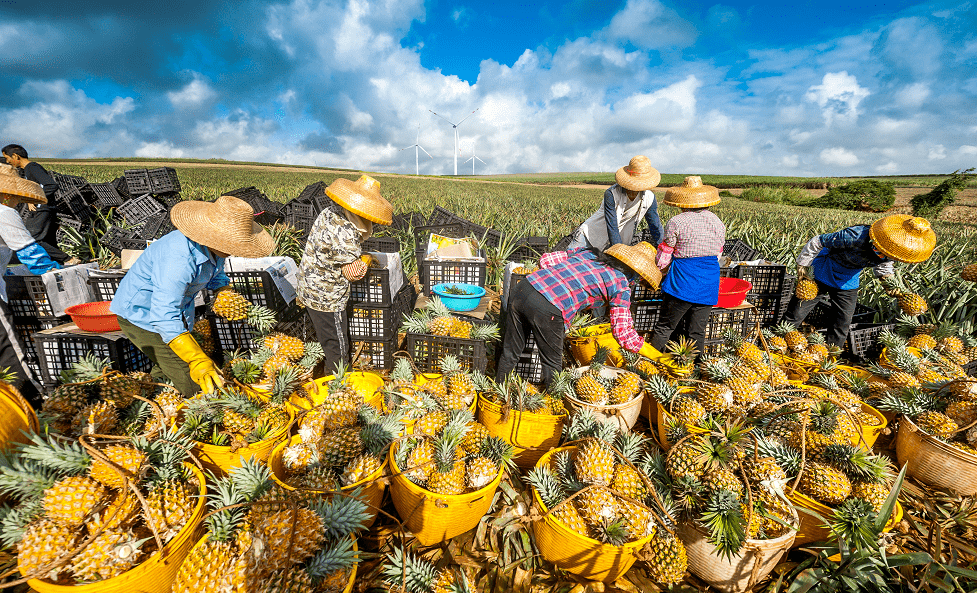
<point>641,263</point>
<point>21,189</point>
<point>190,218</point>
<point>369,205</point>
<point>637,182</point>
<point>897,252</point>
<point>692,204</point>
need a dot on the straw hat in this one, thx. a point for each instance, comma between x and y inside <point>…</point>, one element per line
<point>14,186</point>
<point>692,194</point>
<point>362,197</point>
<point>639,175</point>
<point>640,258</point>
<point>904,238</point>
<point>226,224</point>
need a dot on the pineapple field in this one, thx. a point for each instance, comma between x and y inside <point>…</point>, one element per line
<point>773,462</point>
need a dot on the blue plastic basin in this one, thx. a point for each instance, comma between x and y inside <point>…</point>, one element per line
<point>458,302</point>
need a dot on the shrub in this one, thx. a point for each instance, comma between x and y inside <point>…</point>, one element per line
<point>775,195</point>
<point>932,203</point>
<point>867,195</point>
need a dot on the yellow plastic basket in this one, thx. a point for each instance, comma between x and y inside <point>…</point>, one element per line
<point>156,574</point>
<point>371,487</point>
<point>313,393</point>
<point>18,418</point>
<point>522,430</point>
<point>219,459</point>
<point>434,518</point>
<point>870,433</point>
<point>812,528</point>
<point>574,553</point>
<point>584,348</point>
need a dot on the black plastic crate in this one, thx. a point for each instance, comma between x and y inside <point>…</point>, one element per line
<point>486,236</point>
<point>433,272</point>
<point>788,291</point>
<point>106,196</point>
<point>645,314</point>
<point>105,287</point>
<point>821,313</point>
<point>66,182</point>
<point>324,202</point>
<point>422,234</point>
<point>312,191</point>
<point>530,366</point>
<point>57,351</point>
<point>766,280</point>
<point>133,243</point>
<point>971,368</point>
<point>121,187</point>
<point>139,210</point>
<point>113,236</point>
<point>739,250</point>
<point>137,181</point>
<point>266,212</point>
<point>27,297</point>
<point>641,291</point>
<point>563,243</point>
<point>169,200</point>
<point>863,343</point>
<point>373,288</point>
<point>151,228</point>
<point>380,322</point>
<point>408,220</point>
<point>300,216</point>
<point>427,351</point>
<point>164,180</point>
<point>380,354</point>
<point>70,201</point>
<point>66,222</point>
<point>381,245</point>
<point>722,320</point>
<point>257,287</point>
<point>529,248</point>
<point>26,327</point>
<point>234,335</point>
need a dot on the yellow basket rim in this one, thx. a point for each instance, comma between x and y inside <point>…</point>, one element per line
<point>484,402</point>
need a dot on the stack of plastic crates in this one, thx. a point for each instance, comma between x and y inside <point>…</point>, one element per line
<point>31,313</point>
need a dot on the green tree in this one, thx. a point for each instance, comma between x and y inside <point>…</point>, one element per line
<point>865,195</point>
<point>931,204</point>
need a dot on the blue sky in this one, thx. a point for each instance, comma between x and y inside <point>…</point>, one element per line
<point>769,88</point>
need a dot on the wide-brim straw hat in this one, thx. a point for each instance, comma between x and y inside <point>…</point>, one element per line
<point>692,194</point>
<point>640,258</point>
<point>903,237</point>
<point>362,197</point>
<point>13,185</point>
<point>639,175</point>
<point>226,224</point>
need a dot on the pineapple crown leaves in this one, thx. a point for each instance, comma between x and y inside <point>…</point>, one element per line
<point>498,451</point>
<point>132,418</point>
<point>910,401</point>
<point>336,555</point>
<point>461,417</point>
<point>561,383</point>
<point>223,522</point>
<point>261,431</point>
<point>783,328</point>
<point>687,493</point>
<point>251,479</point>
<point>600,357</point>
<point>661,389</point>
<point>25,479</point>
<point>7,375</point>
<point>450,365</point>
<point>63,456</point>
<point>788,458</point>
<point>261,318</point>
<point>377,435</point>
<point>236,401</point>
<point>446,445</point>
<point>613,532</point>
<point>566,473</point>
<point>547,486</point>
<point>631,445</point>
<point>652,463</point>
<point>853,523</point>
<point>341,515</point>
<point>824,417</point>
<point>312,355</point>
<point>683,351</point>
<point>584,424</point>
<point>579,322</point>
<point>166,453</point>
<point>402,371</point>
<point>859,464</point>
<point>489,332</point>
<point>417,323</point>
<point>723,518</point>
<point>287,380</point>
<point>14,521</point>
<point>485,384</point>
<point>891,340</point>
<point>436,308</point>
<point>245,371</point>
<point>88,367</point>
<point>409,572</point>
<point>339,379</point>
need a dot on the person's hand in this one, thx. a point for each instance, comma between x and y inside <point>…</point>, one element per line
<point>202,369</point>
<point>889,285</point>
<point>804,272</point>
<point>355,270</point>
<point>650,352</point>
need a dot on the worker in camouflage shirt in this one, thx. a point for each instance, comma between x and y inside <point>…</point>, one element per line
<point>332,260</point>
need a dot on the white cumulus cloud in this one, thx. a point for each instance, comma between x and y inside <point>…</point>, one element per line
<point>838,156</point>
<point>838,96</point>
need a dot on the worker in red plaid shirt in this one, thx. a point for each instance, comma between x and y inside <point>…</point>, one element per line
<point>690,250</point>
<point>567,283</point>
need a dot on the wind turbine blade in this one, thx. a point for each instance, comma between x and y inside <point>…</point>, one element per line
<point>478,159</point>
<point>467,161</point>
<point>443,117</point>
<point>411,146</point>
<point>425,152</point>
<point>466,117</point>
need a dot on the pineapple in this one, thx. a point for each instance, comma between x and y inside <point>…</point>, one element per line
<point>291,348</point>
<point>627,482</point>
<point>339,447</point>
<point>289,536</point>
<point>626,387</point>
<point>552,494</point>
<point>43,544</point>
<point>360,468</point>
<point>70,500</point>
<point>795,340</point>
<point>963,411</point>
<point>937,424</point>
<point>110,554</point>
<point>230,305</point>
<point>480,471</point>
<point>123,463</point>
<point>816,346</point>
<point>684,459</point>
<point>169,506</point>
<point>448,474</point>
<point>597,504</point>
<point>806,289</point>
<point>668,560</point>
<point>688,410</point>
<point>97,418</point>
<point>911,303</point>
<point>594,463</point>
<point>459,386</point>
<point>432,423</point>
<point>969,273</point>
<point>117,513</point>
<point>874,493</point>
<point>589,389</point>
<point>825,483</point>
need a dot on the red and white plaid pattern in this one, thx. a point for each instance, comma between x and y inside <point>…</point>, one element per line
<point>692,234</point>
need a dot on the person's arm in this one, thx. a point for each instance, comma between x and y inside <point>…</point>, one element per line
<point>654,223</point>
<point>610,218</point>
<point>39,175</point>
<point>885,269</point>
<point>809,252</point>
<point>548,260</point>
<point>667,247</point>
<point>20,241</point>
<point>36,259</point>
<point>219,279</point>
<point>171,276</point>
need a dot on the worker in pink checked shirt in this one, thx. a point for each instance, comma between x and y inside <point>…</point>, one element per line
<point>567,283</point>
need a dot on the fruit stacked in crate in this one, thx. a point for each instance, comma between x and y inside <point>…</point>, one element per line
<point>434,332</point>
<point>377,305</point>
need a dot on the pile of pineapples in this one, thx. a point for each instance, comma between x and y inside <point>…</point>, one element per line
<point>452,454</point>
<point>517,394</point>
<point>413,399</point>
<point>79,515</point>
<point>341,441</point>
<point>261,537</point>
<point>602,491</point>
<point>787,340</point>
<point>595,389</point>
<point>437,319</point>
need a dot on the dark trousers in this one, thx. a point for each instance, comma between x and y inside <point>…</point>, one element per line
<point>12,357</point>
<point>675,311</point>
<point>332,331</point>
<point>841,306</point>
<point>169,364</point>
<point>529,311</point>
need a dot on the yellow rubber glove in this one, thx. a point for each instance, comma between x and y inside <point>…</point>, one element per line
<point>649,351</point>
<point>202,369</point>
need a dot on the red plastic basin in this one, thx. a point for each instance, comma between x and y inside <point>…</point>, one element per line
<point>732,292</point>
<point>94,317</point>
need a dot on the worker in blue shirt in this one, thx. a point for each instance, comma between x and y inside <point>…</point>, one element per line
<point>835,262</point>
<point>15,238</point>
<point>154,301</point>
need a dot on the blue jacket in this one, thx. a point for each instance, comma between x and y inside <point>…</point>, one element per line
<point>157,293</point>
<point>844,254</point>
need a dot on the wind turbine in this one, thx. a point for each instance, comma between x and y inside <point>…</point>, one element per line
<point>455,126</point>
<point>415,146</point>
<point>474,158</point>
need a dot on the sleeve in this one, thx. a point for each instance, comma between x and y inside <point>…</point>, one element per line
<point>548,260</point>
<point>39,175</point>
<point>810,251</point>
<point>610,217</point>
<point>886,268</point>
<point>667,247</point>
<point>36,259</point>
<point>654,223</point>
<point>219,279</point>
<point>171,277</point>
<point>13,230</point>
<point>622,326</point>
<point>843,239</point>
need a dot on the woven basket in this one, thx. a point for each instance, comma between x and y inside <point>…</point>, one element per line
<point>625,414</point>
<point>522,430</point>
<point>371,487</point>
<point>934,462</point>
<point>574,553</point>
<point>741,572</point>
<point>368,385</point>
<point>219,459</point>
<point>18,418</point>
<point>154,575</point>
<point>812,528</point>
<point>435,518</point>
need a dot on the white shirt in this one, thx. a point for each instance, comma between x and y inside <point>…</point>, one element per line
<point>13,237</point>
<point>629,214</point>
